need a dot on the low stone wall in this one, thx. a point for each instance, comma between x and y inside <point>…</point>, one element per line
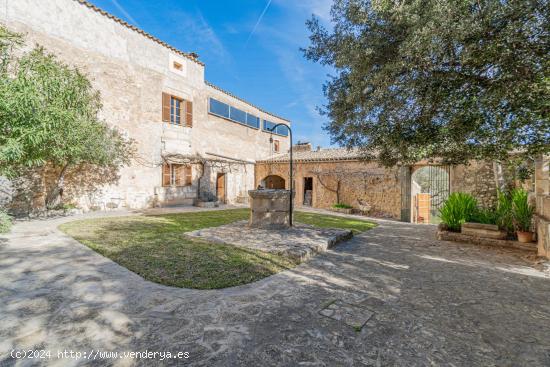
<point>475,240</point>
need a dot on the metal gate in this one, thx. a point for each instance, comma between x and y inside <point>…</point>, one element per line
<point>433,180</point>
<point>439,187</point>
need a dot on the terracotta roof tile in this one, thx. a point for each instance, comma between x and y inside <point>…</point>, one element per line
<point>327,154</point>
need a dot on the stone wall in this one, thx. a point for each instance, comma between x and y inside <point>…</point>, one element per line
<point>360,182</point>
<point>131,71</point>
<point>542,194</point>
<point>379,187</point>
<point>476,178</point>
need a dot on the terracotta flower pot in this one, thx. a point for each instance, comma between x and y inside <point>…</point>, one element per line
<point>525,237</point>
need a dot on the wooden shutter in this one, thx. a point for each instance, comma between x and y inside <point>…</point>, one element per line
<point>165,174</point>
<point>188,113</point>
<point>188,175</point>
<point>166,107</point>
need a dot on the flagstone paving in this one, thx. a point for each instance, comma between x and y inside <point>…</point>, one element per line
<point>421,301</point>
<point>299,242</point>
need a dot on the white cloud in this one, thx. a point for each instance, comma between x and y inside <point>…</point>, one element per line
<point>320,8</point>
<point>198,35</point>
<point>125,13</point>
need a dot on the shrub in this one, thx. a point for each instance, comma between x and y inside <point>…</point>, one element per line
<point>457,209</point>
<point>503,211</point>
<point>5,222</point>
<point>342,206</point>
<point>522,211</point>
<point>485,216</point>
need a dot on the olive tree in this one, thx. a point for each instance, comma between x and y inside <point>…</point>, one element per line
<point>420,79</point>
<point>49,117</point>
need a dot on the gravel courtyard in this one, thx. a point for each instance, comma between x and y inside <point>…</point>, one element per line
<point>419,301</point>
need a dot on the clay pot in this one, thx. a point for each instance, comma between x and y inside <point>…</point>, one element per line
<point>525,237</point>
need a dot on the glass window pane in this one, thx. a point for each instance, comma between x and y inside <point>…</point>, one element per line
<point>282,130</point>
<point>219,108</point>
<point>238,115</point>
<point>252,120</point>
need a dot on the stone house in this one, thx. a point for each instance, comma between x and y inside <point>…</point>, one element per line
<point>194,139</point>
<point>324,177</point>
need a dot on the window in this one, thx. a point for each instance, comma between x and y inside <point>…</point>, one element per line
<point>177,66</point>
<point>280,130</point>
<point>268,125</point>
<point>219,108</point>
<point>252,121</point>
<point>238,115</point>
<point>276,146</point>
<point>176,175</point>
<point>177,111</point>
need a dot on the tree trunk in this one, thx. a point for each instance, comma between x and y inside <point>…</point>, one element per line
<point>338,192</point>
<point>55,196</point>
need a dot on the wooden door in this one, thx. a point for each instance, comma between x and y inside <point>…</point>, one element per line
<point>220,187</point>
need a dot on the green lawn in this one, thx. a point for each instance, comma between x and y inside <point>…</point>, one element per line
<point>154,247</point>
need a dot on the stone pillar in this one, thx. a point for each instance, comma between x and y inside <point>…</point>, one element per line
<point>542,192</point>
<point>269,208</point>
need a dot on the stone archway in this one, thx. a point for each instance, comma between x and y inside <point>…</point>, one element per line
<point>274,182</point>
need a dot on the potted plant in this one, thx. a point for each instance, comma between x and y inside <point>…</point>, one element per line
<point>522,214</point>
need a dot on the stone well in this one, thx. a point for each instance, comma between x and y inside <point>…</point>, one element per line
<point>269,209</point>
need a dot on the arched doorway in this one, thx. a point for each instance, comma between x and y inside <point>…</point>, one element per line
<point>273,182</point>
<point>428,191</point>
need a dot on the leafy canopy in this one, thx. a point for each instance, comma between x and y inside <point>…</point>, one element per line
<point>49,114</point>
<point>422,79</point>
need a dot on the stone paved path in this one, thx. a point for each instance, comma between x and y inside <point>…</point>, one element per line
<point>427,303</point>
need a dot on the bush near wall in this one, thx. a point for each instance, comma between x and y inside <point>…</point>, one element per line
<point>5,222</point>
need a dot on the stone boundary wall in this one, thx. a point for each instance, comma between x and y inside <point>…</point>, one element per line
<point>542,197</point>
<point>367,182</point>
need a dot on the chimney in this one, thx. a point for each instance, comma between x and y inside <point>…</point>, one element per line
<point>302,147</point>
<point>318,148</point>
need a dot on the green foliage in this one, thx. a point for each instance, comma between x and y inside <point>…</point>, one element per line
<point>485,216</point>
<point>522,210</point>
<point>457,209</point>
<point>503,210</point>
<point>49,115</point>
<point>342,206</point>
<point>424,79</point>
<point>5,222</point>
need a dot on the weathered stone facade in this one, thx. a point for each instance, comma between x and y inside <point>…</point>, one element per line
<point>542,193</point>
<point>131,70</point>
<point>476,178</point>
<point>365,184</point>
<point>359,182</point>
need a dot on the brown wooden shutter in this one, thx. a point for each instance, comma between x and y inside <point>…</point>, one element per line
<point>188,175</point>
<point>165,174</point>
<point>166,107</point>
<point>189,113</point>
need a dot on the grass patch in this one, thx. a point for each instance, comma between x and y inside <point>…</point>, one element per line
<point>154,247</point>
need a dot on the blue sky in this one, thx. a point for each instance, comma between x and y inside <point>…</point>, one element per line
<point>255,56</point>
